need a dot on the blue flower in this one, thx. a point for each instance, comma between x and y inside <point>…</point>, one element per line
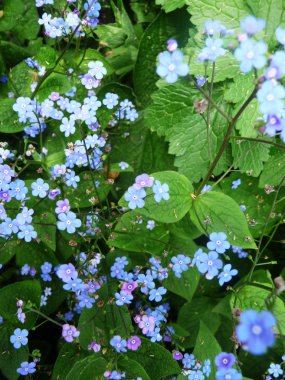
<point>71,179</point>
<point>171,66</point>
<point>111,100</point>
<point>74,285</point>
<point>26,368</point>
<point>200,80</point>
<point>251,54</point>
<point>196,375</point>
<point>135,197</point>
<point>156,294</point>
<point>228,374</point>
<point>119,344</point>
<point>188,361</point>
<point>236,183</point>
<point>225,360</point>
<point>68,222</point>
<point>27,232</point>
<point>275,370</point>
<point>255,331</point>
<point>213,27</point>
<point>85,301</point>
<point>123,298</point>
<point>252,25</point>
<point>209,264</point>
<point>160,191</point>
<point>218,242</point>
<point>19,338</point>
<point>227,274</point>
<point>39,188</point>
<point>207,367</point>
<point>212,51</point>
<point>180,264</point>
<point>280,35</point>
<point>270,97</point>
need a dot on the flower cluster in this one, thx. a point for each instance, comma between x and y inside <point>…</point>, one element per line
<point>224,363</point>
<point>136,193</point>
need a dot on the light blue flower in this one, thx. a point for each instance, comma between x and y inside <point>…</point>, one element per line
<point>251,54</point>
<point>39,188</point>
<point>275,370</point>
<point>171,66</point>
<point>160,191</point>
<point>231,373</point>
<point>27,232</point>
<point>252,25</point>
<point>270,97</point>
<point>111,100</point>
<point>218,242</point>
<point>26,368</point>
<point>123,298</point>
<point>156,294</point>
<point>280,35</point>
<point>19,338</point>
<point>227,274</point>
<point>119,344</point>
<point>135,197</point>
<point>212,51</point>
<point>68,222</point>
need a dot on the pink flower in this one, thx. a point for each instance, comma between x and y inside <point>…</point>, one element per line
<point>147,324</point>
<point>143,180</point>
<point>69,332</point>
<point>129,287</point>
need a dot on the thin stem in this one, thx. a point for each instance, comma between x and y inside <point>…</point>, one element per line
<point>225,141</point>
<point>44,316</point>
<point>259,140</point>
<point>209,113</point>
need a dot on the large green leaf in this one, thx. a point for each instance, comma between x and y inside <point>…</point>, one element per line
<point>131,234</point>
<point>184,286</point>
<point>170,5</point>
<point>274,169</point>
<point>215,212</point>
<point>8,117</point>
<point>149,355</point>
<point>247,123</point>
<point>249,156</point>
<point>90,368</point>
<point>133,369</point>
<point>179,203</point>
<point>152,42</point>
<point>54,82</point>
<point>26,291</point>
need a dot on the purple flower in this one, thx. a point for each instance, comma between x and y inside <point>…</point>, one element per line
<point>62,206</point>
<point>177,355</point>
<point>119,344</point>
<point>143,180</point>
<point>225,360</point>
<point>67,272</point>
<point>53,193</point>
<point>94,346</point>
<point>89,81</point>
<point>147,324</point>
<point>255,331</point>
<point>218,242</point>
<point>69,332</point>
<point>172,45</point>
<point>134,343</point>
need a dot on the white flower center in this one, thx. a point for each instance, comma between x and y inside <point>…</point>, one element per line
<point>256,329</point>
<point>171,67</point>
<point>250,55</point>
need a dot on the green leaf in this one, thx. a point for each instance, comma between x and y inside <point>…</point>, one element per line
<point>130,235</point>
<point>133,369</point>
<point>10,358</point>
<point>274,169</point>
<point>257,298</point>
<point>12,12</point>
<point>247,123</point>
<point>55,143</point>
<point>179,203</point>
<point>90,368</point>
<point>104,322</point>
<point>46,56</point>
<point>21,77</point>
<point>240,88</point>
<point>45,226</point>
<point>28,26</point>
<point>152,42</point>
<point>68,355</point>
<point>150,356</point>
<point>229,13</point>
<point>55,82</point>
<point>26,291</point>
<point>206,346</point>
<point>34,254</point>
<point>7,250</point>
<point>170,5</point>
<point>249,156</point>
<point>184,286</point>
<point>8,117</point>
<point>221,213</point>
<point>85,190</point>
<point>225,67</point>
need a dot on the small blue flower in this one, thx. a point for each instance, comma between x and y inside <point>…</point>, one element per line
<point>135,197</point>
<point>200,80</point>
<point>252,25</point>
<point>255,331</point>
<point>111,100</point>
<point>270,97</point>
<point>236,183</point>
<point>156,294</point>
<point>209,264</point>
<point>27,232</point>
<point>280,35</point>
<point>71,179</point>
<point>227,274</point>
<point>85,300</point>
<point>26,368</point>
<point>225,360</point>
<point>196,375</point>
<point>207,367</point>
<point>74,285</point>
<point>251,54</point>
<point>123,298</point>
<point>68,222</point>
<point>188,361</point>
<point>275,370</point>
<point>225,374</point>
<point>160,191</point>
<point>19,338</point>
<point>119,344</point>
<point>39,188</point>
<point>213,27</point>
<point>218,242</point>
<point>212,51</point>
<point>171,66</point>
<point>180,264</point>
